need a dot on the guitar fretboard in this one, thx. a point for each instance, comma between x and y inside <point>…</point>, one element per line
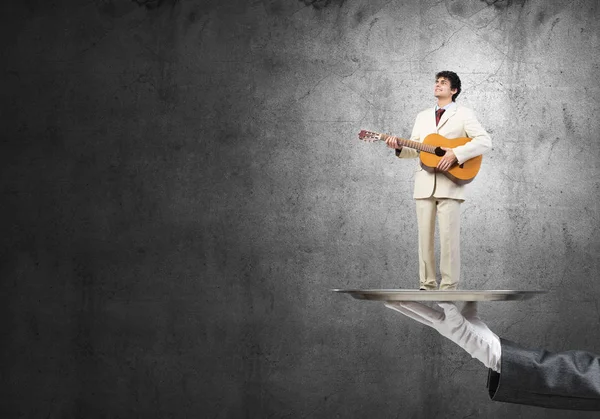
<point>411,144</point>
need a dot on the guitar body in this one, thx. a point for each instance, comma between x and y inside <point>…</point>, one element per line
<point>459,174</point>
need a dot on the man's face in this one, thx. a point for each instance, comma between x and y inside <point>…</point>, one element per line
<point>442,88</point>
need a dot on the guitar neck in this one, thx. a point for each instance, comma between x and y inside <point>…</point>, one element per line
<point>410,144</point>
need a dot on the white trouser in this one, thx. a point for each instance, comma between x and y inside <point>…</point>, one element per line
<point>448,215</point>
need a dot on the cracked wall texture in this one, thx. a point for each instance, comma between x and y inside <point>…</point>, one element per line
<point>182,186</point>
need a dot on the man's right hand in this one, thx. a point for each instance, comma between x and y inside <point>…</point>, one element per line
<point>464,328</point>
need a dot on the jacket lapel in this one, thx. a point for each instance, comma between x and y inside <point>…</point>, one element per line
<point>445,116</point>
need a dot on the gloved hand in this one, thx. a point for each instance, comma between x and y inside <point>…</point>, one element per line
<point>463,328</point>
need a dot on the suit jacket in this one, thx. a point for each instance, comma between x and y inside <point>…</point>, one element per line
<point>565,380</point>
<point>456,122</point>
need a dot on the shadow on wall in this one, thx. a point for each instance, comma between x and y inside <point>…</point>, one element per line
<point>320,4</point>
<point>153,4</point>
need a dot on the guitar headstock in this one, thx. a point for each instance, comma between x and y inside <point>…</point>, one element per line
<point>369,136</point>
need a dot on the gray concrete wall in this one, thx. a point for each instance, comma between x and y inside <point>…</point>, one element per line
<point>182,186</point>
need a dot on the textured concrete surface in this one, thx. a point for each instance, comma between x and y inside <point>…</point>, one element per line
<point>182,185</point>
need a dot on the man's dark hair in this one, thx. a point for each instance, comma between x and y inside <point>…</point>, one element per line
<point>454,81</point>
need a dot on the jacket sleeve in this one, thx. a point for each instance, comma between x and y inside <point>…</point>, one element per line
<point>480,143</point>
<point>565,380</point>
<point>407,152</point>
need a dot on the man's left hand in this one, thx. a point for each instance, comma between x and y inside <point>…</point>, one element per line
<point>447,161</point>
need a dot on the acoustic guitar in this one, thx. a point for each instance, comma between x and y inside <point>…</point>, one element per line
<point>431,153</point>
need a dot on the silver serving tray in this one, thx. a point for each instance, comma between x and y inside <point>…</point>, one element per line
<point>437,295</point>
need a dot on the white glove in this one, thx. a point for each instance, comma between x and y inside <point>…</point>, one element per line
<point>463,328</point>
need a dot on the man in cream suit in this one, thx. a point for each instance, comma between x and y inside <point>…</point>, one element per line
<point>434,193</point>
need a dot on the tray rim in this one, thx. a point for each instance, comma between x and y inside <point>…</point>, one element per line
<point>380,294</point>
